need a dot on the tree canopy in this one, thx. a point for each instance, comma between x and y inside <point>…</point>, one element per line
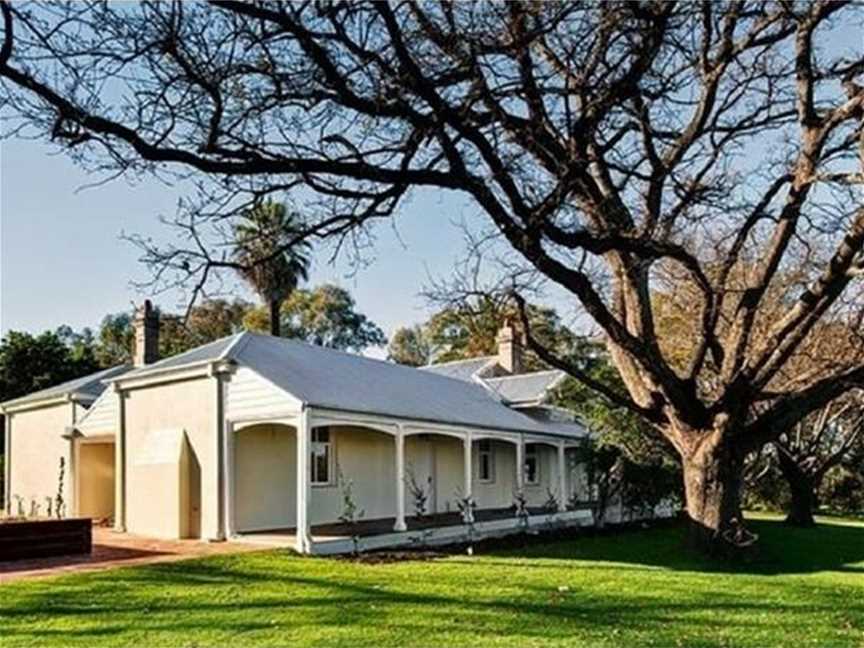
<point>326,316</point>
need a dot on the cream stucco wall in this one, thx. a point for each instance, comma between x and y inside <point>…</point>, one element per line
<point>265,478</point>
<point>95,470</point>
<point>152,509</point>
<point>367,459</point>
<point>37,447</point>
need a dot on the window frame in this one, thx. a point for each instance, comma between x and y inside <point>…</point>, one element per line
<point>330,451</point>
<point>489,453</point>
<point>532,451</point>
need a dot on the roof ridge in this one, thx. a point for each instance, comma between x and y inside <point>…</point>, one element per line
<point>488,358</point>
<point>526,375</point>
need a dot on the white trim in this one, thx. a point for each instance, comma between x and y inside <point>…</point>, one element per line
<point>331,457</point>
<point>538,478</point>
<point>7,464</point>
<point>291,419</point>
<point>230,488</point>
<point>399,440</point>
<point>562,478</point>
<point>304,536</point>
<point>120,465</point>
<point>468,463</point>
<point>491,456</point>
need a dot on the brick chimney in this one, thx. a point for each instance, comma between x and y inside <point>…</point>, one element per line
<point>146,324</point>
<point>509,348</point>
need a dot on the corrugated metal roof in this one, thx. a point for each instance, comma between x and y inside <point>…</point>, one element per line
<point>90,385</point>
<point>326,378</point>
<point>204,353</point>
<point>461,369</point>
<point>334,379</point>
<point>524,388</point>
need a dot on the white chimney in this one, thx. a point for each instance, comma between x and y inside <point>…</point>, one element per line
<point>146,324</point>
<point>509,348</point>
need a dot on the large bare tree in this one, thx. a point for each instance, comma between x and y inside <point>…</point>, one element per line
<point>603,141</point>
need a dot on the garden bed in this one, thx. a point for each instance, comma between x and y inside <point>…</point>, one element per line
<point>26,539</point>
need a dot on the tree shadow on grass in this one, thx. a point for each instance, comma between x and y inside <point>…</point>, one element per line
<point>320,602</point>
<point>782,549</point>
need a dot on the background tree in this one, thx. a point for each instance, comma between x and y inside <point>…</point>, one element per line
<point>627,460</point>
<point>32,362</point>
<point>603,142</point>
<point>115,340</point>
<point>410,346</point>
<point>326,316</point>
<point>467,324</point>
<point>210,320</point>
<point>272,263</point>
<point>814,446</point>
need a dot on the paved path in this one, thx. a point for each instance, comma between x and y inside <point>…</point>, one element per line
<point>112,549</point>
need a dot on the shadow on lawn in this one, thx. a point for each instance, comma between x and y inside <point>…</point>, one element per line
<point>783,549</point>
<point>301,603</point>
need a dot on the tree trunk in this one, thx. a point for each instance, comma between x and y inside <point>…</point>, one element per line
<point>275,317</point>
<point>712,488</point>
<point>802,490</point>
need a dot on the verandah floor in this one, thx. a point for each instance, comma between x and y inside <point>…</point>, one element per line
<point>381,526</point>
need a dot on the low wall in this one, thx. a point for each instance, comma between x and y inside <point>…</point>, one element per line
<point>20,540</point>
<point>452,534</point>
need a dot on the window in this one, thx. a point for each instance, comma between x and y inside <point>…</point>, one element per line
<point>322,456</point>
<point>532,465</point>
<point>486,461</point>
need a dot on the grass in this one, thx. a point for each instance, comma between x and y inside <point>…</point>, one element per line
<point>640,587</point>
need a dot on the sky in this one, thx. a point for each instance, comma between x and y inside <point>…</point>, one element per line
<point>62,260</point>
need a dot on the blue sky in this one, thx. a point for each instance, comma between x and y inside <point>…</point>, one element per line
<point>62,260</point>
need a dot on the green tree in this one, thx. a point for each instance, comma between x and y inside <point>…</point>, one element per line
<point>115,340</point>
<point>410,346</point>
<point>625,457</point>
<point>469,328</point>
<point>326,316</point>
<point>271,262</point>
<point>32,362</point>
<point>210,320</point>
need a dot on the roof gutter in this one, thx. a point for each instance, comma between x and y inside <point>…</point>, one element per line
<point>20,405</point>
<point>190,371</point>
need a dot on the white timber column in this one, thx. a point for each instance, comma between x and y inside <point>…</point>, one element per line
<point>71,486</point>
<point>520,463</point>
<point>228,467</point>
<point>7,463</point>
<point>216,532</point>
<point>400,481</point>
<point>304,541</point>
<point>120,464</point>
<point>469,478</point>
<point>562,478</point>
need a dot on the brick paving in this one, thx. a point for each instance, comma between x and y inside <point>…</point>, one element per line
<point>112,549</point>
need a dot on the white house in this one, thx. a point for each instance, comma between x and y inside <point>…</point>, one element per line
<point>259,437</point>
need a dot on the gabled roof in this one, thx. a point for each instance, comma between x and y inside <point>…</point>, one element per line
<point>337,380</point>
<point>87,388</point>
<point>205,353</point>
<point>525,389</point>
<point>462,369</point>
<point>332,379</point>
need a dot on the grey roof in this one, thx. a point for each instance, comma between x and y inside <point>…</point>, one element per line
<point>461,369</point>
<point>90,387</point>
<point>204,353</point>
<point>337,380</point>
<point>345,381</point>
<point>525,388</point>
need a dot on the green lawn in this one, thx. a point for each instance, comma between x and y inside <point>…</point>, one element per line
<point>632,588</point>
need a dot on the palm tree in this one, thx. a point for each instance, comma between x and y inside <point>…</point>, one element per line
<point>268,260</point>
